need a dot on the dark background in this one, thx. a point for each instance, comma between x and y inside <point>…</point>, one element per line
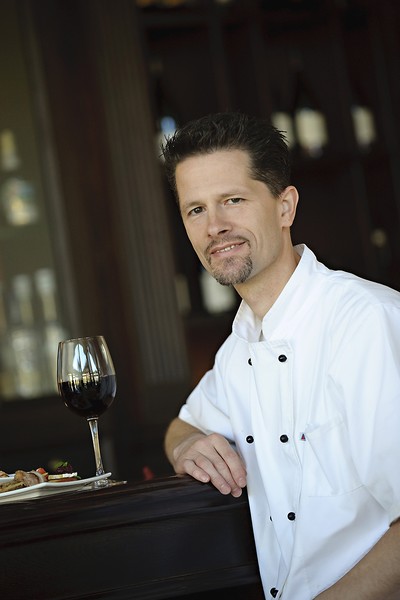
<point>100,75</point>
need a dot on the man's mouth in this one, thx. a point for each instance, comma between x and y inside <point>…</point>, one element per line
<point>221,250</point>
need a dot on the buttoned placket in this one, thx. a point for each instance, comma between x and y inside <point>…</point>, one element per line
<point>284,392</point>
<point>250,440</point>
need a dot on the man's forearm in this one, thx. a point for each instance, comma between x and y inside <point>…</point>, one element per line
<point>376,576</point>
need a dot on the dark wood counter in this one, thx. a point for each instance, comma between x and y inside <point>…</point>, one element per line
<point>163,538</point>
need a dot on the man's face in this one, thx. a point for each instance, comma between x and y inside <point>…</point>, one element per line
<point>233,222</point>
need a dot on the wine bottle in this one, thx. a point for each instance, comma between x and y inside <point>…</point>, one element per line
<point>283,121</point>
<point>7,365</point>
<point>282,116</point>
<point>310,123</point>
<point>182,294</point>
<point>166,119</point>
<point>363,124</point>
<point>25,340</point>
<point>362,116</point>
<point>216,298</point>
<point>52,330</point>
<point>17,194</point>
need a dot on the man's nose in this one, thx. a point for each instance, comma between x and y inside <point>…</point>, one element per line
<point>217,223</point>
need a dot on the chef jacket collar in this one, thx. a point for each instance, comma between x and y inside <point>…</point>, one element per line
<point>287,306</point>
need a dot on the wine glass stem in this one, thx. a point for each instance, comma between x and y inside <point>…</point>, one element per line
<point>94,430</point>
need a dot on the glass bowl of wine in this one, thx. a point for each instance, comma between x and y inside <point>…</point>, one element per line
<point>87,385</point>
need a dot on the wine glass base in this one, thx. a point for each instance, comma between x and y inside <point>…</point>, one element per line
<point>103,483</point>
<point>112,482</point>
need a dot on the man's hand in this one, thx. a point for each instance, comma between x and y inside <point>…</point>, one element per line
<point>205,457</point>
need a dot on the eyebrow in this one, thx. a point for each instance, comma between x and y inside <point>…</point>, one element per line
<point>190,204</point>
<point>193,203</point>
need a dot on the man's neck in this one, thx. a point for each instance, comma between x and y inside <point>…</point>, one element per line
<point>262,291</point>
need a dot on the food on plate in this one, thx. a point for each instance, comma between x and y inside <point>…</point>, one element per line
<point>63,467</point>
<point>22,479</point>
<point>64,472</point>
<point>10,486</point>
<point>43,472</point>
<point>29,478</point>
<point>64,477</point>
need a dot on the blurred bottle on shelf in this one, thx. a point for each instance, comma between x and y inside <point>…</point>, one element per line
<point>166,118</point>
<point>310,123</point>
<point>52,330</point>
<point>182,294</point>
<point>282,117</point>
<point>362,116</point>
<point>17,194</point>
<point>166,127</point>
<point>283,121</point>
<point>217,298</point>
<point>364,126</point>
<point>25,341</point>
<point>7,365</point>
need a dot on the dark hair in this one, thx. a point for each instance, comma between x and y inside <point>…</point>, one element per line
<point>265,145</point>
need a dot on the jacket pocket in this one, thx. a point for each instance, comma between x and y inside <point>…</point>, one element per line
<point>329,469</point>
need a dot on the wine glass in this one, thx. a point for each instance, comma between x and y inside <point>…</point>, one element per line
<point>87,384</point>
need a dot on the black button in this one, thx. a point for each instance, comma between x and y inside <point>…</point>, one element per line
<point>273,592</point>
<point>250,363</point>
<point>291,516</point>
<point>284,438</point>
<point>282,358</point>
<point>249,439</point>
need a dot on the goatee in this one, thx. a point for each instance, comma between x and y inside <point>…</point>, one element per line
<point>232,274</point>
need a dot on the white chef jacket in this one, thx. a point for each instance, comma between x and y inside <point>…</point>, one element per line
<point>314,411</point>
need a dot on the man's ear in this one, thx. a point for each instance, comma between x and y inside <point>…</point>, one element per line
<point>288,201</point>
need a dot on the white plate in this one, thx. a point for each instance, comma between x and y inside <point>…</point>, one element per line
<point>45,488</point>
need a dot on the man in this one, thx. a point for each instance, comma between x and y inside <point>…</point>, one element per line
<point>303,402</point>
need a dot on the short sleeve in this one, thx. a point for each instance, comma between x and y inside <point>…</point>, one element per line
<point>367,380</point>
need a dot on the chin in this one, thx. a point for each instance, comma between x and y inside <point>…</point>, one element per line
<point>226,279</point>
<point>233,272</point>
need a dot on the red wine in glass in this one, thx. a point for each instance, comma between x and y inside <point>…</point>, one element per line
<point>91,398</point>
<point>87,384</point>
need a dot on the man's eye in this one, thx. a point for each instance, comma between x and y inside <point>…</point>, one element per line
<point>235,200</point>
<point>195,211</point>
